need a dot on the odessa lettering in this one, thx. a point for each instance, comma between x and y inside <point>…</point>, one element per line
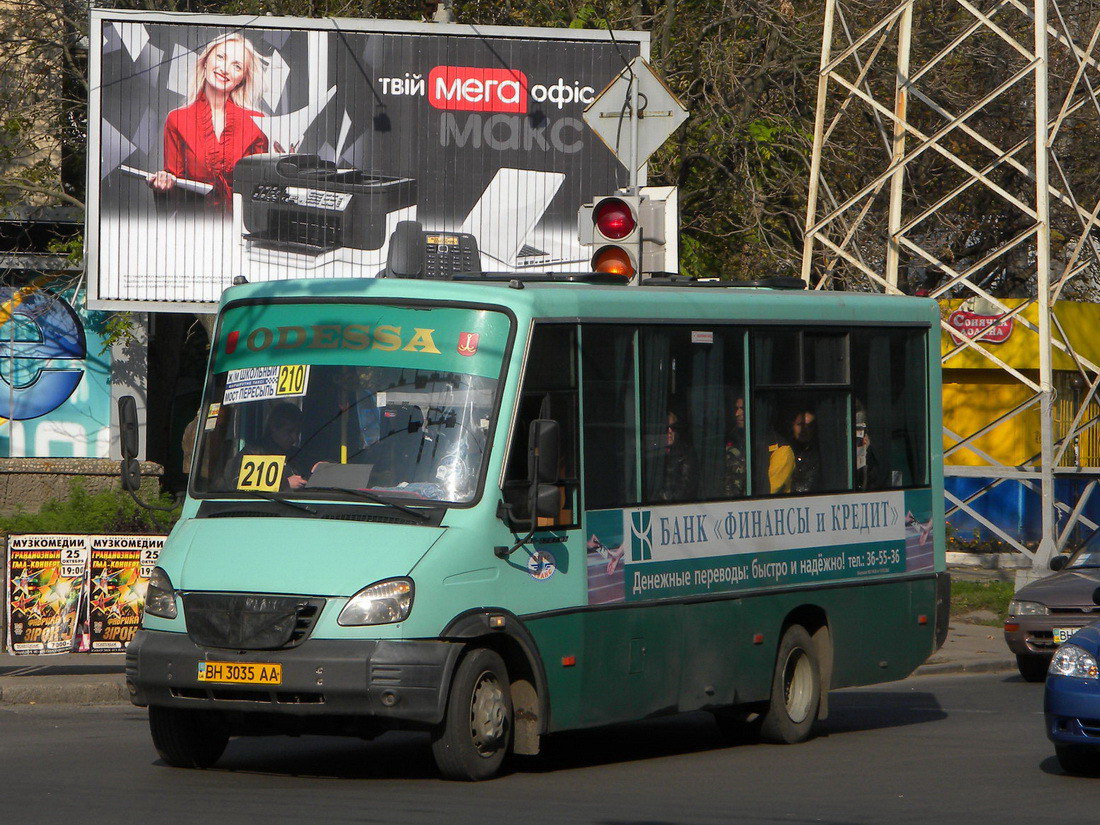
<point>334,336</point>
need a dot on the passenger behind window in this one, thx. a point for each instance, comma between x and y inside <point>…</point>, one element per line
<point>868,471</point>
<point>794,456</point>
<point>735,475</point>
<point>674,470</point>
<point>282,432</point>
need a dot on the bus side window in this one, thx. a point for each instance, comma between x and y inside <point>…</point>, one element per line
<point>800,412</point>
<point>610,421</point>
<point>692,386</point>
<point>549,390</point>
<point>891,429</point>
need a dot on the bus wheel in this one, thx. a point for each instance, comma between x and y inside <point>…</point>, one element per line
<point>475,735</point>
<point>188,738</point>
<point>796,690</point>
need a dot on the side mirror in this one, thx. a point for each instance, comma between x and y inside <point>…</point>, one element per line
<point>1096,596</point>
<point>1058,563</point>
<point>130,468</point>
<point>130,471</point>
<point>128,427</point>
<point>543,451</point>
<point>545,501</point>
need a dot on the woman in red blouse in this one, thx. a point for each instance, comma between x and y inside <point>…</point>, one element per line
<point>204,140</point>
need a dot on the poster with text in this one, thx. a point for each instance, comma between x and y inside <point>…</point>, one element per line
<point>689,550</point>
<point>46,590</point>
<point>291,148</point>
<point>118,575</point>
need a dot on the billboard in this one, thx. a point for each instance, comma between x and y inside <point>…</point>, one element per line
<point>290,148</point>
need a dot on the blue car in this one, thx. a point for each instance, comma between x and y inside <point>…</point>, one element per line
<point>1072,702</point>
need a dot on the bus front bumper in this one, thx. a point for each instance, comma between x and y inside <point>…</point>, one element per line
<point>396,682</point>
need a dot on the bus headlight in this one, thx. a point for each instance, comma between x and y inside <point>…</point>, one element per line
<point>1071,660</point>
<point>379,603</point>
<point>160,596</point>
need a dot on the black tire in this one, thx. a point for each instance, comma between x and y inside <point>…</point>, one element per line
<point>796,690</point>
<point>740,725</point>
<point>1032,668</point>
<point>188,738</point>
<point>1078,759</point>
<point>476,733</point>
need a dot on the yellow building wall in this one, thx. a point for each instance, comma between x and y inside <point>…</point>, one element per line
<point>973,399</point>
<point>976,391</point>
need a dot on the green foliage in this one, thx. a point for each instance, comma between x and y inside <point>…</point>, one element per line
<point>111,511</point>
<point>72,247</point>
<point>587,17</point>
<point>970,596</point>
<point>117,329</point>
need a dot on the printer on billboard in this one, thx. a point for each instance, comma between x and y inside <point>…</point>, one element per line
<point>308,211</point>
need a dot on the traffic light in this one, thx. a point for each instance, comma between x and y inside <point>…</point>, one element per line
<point>626,234</point>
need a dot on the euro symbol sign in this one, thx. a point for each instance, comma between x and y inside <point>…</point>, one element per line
<point>43,329</point>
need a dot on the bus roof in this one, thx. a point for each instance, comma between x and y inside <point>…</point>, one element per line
<point>576,301</point>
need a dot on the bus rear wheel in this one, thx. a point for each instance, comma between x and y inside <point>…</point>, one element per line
<point>476,732</point>
<point>796,690</point>
<point>188,738</point>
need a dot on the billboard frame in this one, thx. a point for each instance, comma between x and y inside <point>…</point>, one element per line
<point>101,16</point>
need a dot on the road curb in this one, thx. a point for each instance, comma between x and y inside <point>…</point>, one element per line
<point>998,665</point>
<point>111,689</point>
<point>63,690</point>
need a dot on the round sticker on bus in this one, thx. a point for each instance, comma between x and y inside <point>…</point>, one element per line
<point>541,565</point>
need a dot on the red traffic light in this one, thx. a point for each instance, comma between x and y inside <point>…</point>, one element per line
<point>614,219</point>
<point>613,260</point>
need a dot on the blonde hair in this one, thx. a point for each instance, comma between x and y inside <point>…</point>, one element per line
<point>248,90</point>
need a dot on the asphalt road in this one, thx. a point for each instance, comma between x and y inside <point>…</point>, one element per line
<point>963,749</point>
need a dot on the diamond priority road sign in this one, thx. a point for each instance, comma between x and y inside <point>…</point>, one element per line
<point>611,114</point>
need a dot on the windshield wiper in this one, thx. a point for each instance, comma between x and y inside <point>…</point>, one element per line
<point>278,500</point>
<point>374,498</point>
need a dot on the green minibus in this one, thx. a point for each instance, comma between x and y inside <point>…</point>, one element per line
<point>495,510</point>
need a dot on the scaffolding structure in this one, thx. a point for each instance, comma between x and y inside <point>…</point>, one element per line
<point>885,227</point>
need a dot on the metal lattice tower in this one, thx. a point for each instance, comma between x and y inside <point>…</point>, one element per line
<point>925,89</point>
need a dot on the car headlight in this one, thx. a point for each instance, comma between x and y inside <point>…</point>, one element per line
<point>1027,609</point>
<point>1071,660</point>
<point>160,596</point>
<point>379,603</point>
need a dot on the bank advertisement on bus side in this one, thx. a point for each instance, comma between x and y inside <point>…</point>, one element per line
<point>290,147</point>
<point>675,551</point>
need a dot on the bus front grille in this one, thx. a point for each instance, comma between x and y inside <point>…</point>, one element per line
<point>249,621</point>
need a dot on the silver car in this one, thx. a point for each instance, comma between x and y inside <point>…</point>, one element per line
<point>1045,613</point>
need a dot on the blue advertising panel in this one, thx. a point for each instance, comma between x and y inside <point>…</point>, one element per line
<point>55,389</point>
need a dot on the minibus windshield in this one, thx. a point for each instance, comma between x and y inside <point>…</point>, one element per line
<point>401,409</point>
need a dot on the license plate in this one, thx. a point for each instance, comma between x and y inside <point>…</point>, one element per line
<point>240,673</point>
<point>1062,634</point>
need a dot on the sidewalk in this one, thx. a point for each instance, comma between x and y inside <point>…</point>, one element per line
<point>970,648</point>
<point>66,679</point>
<point>95,679</point>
